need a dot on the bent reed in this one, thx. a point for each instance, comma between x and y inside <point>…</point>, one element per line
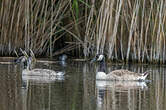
<point>132,30</point>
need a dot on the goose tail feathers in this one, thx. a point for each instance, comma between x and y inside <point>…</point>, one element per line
<point>145,74</point>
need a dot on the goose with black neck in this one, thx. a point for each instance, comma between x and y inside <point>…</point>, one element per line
<point>119,75</point>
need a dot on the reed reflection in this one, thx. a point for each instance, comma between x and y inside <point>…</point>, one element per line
<point>40,92</point>
<point>80,91</point>
<point>111,94</point>
<point>125,95</point>
<point>54,94</point>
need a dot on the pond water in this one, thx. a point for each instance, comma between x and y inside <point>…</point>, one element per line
<point>80,91</point>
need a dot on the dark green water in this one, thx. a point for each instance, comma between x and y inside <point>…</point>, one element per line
<point>80,91</point>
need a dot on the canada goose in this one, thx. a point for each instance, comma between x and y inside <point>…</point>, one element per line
<point>27,65</point>
<point>117,74</point>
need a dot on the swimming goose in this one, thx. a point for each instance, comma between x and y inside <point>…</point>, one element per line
<point>27,65</point>
<point>117,74</point>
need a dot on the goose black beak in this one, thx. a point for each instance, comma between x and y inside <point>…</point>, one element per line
<point>20,60</point>
<point>16,61</point>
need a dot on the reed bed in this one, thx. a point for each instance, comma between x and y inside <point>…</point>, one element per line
<point>132,30</point>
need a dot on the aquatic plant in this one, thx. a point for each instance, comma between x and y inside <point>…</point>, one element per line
<point>132,30</point>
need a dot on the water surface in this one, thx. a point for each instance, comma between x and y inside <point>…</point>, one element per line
<point>80,91</point>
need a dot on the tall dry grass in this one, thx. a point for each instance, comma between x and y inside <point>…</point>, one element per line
<point>132,30</point>
<point>33,24</point>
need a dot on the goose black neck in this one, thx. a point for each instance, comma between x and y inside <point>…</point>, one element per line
<point>102,66</point>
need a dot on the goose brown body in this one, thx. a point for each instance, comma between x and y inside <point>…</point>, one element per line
<point>126,75</point>
<point>27,69</point>
<point>117,74</point>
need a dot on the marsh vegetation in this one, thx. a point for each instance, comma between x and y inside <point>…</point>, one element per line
<point>132,30</point>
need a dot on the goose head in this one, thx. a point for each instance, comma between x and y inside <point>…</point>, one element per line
<point>102,66</point>
<point>98,58</point>
<point>23,61</point>
<point>26,62</point>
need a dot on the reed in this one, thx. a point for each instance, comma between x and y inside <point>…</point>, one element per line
<point>132,30</point>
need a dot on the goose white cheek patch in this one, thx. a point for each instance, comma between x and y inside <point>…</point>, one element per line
<point>100,57</point>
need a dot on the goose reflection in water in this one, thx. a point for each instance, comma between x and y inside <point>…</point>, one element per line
<point>110,92</point>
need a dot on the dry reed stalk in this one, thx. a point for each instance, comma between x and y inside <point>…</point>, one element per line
<point>162,58</point>
<point>163,33</point>
<point>24,24</point>
<point>147,28</point>
<point>102,25</point>
<point>123,30</point>
<point>132,26</point>
<point>112,38</point>
<point>158,32</point>
<point>75,17</point>
<point>88,32</point>
<point>51,35</point>
<point>75,36</point>
<point>98,28</point>
<point>121,39</point>
<point>152,52</point>
<point>49,22</point>
<point>140,41</point>
<point>69,47</point>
